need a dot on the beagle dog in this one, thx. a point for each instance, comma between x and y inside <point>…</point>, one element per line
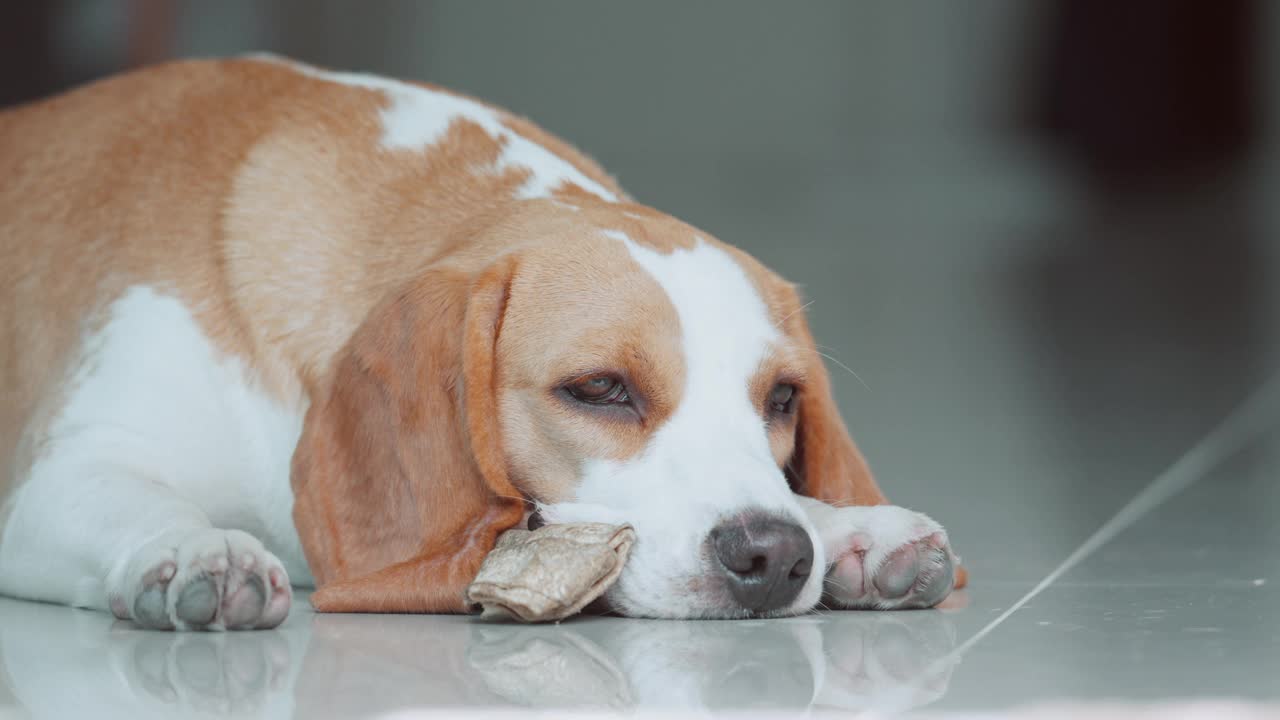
<point>265,325</point>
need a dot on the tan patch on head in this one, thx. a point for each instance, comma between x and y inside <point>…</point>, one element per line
<point>781,364</point>
<point>582,306</point>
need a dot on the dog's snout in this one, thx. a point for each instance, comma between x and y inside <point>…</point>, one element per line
<point>765,560</point>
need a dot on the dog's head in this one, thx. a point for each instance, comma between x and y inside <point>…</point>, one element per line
<point>614,366</point>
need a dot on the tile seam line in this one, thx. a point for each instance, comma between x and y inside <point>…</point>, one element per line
<point>1250,419</point>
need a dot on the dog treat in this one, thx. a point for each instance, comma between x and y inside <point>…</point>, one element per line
<point>548,574</point>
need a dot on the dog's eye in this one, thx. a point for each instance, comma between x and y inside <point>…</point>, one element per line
<point>599,390</point>
<point>782,398</point>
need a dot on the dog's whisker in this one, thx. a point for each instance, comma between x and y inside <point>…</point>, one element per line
<point>837,584</point>
<point>794,312</point>
<point>531,503</point>
<point>844,367</point>
<point>817,350</point>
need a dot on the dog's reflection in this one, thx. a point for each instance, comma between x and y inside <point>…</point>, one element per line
<point>224,673</point>
<point>844,661</point>
<point>57,661</point>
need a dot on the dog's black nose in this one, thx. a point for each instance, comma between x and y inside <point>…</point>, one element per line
<point>765,560</point>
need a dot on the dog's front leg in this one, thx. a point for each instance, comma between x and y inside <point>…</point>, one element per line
<point>105,534</point>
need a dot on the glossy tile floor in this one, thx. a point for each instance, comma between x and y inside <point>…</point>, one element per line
<point>1025,379</point>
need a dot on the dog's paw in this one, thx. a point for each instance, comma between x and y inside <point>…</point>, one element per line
<point>202,580</point>
<point>886,558</point>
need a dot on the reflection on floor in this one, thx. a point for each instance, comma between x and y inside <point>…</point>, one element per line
<point>344,666</point>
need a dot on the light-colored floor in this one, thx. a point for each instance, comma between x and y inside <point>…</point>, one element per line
<point>1182,604</point>
<point>1022,380</point>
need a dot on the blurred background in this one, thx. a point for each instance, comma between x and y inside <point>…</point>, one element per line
<point>1043,234</point>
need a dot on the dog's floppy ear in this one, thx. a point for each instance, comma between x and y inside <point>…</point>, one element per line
<point>826,464</point>
<point>399,480</point>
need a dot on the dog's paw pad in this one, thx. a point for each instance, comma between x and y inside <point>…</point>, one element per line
<point>204,580</point>
<point>244,601</point>
<point>197,602</point>
<point>149,605</point>
<point>897,574</point>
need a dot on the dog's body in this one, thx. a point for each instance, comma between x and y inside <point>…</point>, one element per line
<point>263,323</point>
